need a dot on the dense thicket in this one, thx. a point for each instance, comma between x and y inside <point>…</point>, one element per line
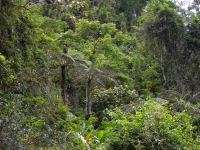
<point>99,74</point>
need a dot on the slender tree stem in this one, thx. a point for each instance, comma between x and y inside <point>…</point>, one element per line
<point>88,100</point>
<point>63,85</point>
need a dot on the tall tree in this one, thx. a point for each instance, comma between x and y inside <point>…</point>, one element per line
<point>66,61</point>
<point>121,12</point>
<point>90,77</point>
<point>163,28</point>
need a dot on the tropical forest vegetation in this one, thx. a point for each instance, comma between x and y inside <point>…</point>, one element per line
<point>99,75</point>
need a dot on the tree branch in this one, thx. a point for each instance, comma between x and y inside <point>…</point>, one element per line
<point>23,6</point>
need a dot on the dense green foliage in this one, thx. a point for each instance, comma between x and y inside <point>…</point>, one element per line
<point>99,74</point>
<point>149,127</point>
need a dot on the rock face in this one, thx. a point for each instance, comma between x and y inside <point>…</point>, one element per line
<point>159,100</point>
<point>171,96</point>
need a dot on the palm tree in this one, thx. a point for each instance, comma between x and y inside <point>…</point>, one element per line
<point>90,76</point>
<point>65,61</point>
<point>69,63</point>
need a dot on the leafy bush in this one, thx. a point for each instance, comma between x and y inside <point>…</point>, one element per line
<point>111,98</point>
<point>31,123</point>
<point>150,127</point>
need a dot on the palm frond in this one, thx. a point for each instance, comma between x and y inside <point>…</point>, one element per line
<point>67,57</point>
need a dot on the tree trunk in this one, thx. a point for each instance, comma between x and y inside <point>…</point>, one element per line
<point>63,85</point>
<point>178,70</point>
<point>88,100</point>
<point>73,97</point>
<point>179,83</point>
<point>66,2</point>
<point>161,65</point>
